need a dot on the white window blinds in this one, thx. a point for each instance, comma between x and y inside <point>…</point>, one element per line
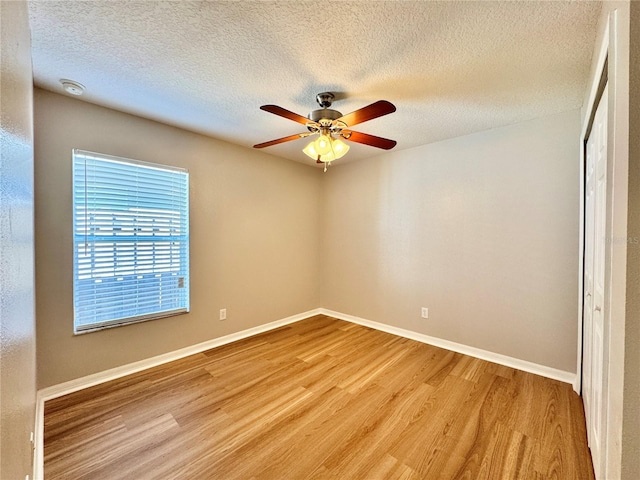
<point>130,240</point>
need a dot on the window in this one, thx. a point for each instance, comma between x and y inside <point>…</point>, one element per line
<point>130,241</point>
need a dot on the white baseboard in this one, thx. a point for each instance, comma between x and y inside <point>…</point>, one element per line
<point>38,440</point>
<point>118,372</point>
<point>542,370</point>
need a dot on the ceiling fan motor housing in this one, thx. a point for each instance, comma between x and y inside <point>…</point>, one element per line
<point>324,114</point>
<point>324,99</point>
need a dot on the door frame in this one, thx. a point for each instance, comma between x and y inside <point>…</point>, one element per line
<point>612,62</point>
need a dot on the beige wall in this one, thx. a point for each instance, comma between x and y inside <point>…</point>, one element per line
<point>254,230</point>
<point>17,316</point>
<point>481,229</point>
<point>631,422</point>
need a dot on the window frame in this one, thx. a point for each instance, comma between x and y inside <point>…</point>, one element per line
<point>82,328</point>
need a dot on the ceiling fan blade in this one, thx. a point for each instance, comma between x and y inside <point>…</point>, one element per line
<point>367,139</point>
<point>282,140</point>
<point>375,110</point>
<point>283,112</point>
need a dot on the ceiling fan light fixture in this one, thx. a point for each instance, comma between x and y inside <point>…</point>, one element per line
<point>310,151</point>
<point>334,148</point>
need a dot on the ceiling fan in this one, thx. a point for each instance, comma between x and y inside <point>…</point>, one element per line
<point>332,127</point>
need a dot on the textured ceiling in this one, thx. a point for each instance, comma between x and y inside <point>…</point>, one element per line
<point>451,68</point>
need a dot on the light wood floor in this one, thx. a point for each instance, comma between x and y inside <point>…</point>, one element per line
<point>320,399</point>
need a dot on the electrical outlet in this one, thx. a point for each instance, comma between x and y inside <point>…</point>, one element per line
<point>425,312</point>
<point>223,314</point>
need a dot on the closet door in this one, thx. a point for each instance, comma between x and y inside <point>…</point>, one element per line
<point>587,321</point>
<point>594,279</point>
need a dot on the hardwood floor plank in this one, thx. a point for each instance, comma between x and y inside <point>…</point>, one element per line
<point>388,468</point>
<point>320,399</point>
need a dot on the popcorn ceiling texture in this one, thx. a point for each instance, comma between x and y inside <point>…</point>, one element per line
<point>451,68</point>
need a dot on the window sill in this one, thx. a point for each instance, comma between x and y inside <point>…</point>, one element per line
<point>129,321</point>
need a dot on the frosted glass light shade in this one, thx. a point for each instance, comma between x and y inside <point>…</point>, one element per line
<point>340,148</point>
<point>323,145</point>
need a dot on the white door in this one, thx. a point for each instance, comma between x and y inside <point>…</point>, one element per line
<point>587,336</point>
<point>594,279</point>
